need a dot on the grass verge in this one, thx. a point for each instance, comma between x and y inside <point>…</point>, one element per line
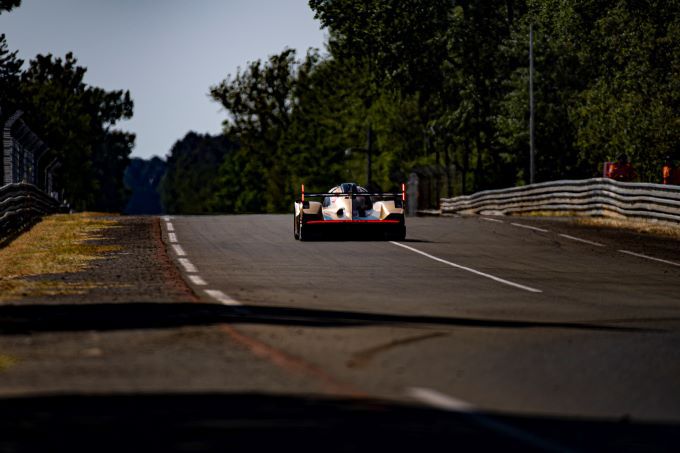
<point>33,264</point>
<point>637,226</point>
<point>663,229</point>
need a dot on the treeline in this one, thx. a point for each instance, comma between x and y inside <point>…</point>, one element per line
<point>191,184</point>
<point>444,85</point>
<point>74,119</point>
<point>142,178</point>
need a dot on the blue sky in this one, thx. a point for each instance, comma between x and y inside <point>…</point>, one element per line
<point>166,52</point>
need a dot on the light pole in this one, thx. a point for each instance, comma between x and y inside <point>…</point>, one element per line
<point>531,104</point>
<point>369,151</point>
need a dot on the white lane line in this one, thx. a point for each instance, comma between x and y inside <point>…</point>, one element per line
<point>597,244</point>
<point>441,401</point>
<point>197,280</point>
<point>458,266</point>
<point>179,250</point>
<point>169,226</point>
<point>488,219</point>
<point>166,218</point>
<point>529,227</point>
<point>221,297</point>
<point>187,265</point>
<point>640,255</point>
<point>172,237</point>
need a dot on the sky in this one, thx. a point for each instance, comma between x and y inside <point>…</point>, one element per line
<point>166,52</point>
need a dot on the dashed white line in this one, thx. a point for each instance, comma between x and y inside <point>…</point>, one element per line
<point>489,219</point>
<point>192,271</point>
<point>640,255</point>
<point>197,280</point>
<point>221,297</point>
<point>187,265</point>
<point>529,227</point>
<point>585,241</point>
<point>468,269</point>
<point>441,401</point>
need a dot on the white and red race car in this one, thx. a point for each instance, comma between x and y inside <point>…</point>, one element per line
<point>349,209</point>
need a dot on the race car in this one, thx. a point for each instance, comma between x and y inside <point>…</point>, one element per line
<point>350,210</point>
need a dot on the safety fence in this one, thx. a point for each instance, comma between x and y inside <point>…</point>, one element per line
<point>27,190</point>
<point>590,197</point>
<point>21,205</point>
<point>25,157</point>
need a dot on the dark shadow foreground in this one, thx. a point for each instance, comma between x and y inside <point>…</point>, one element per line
<point>257,422</point>
<point>26,319</point>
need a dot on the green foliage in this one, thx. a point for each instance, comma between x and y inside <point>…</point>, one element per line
<point>632,104</point>
<point>190,184</point>
<point>260,101</point>
<point>559,78</point>
<point>10,75</point>
<point>443,86</point>
<point>8,5</point>
<point>76,121</point>
<point>399,40</point>
<point>142,179</point>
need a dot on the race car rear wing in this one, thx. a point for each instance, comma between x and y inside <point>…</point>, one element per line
<point>395,195</point>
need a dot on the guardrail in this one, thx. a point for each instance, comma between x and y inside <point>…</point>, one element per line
<point>591,197</point>
<point>21,205</point>
<point>26,180</point>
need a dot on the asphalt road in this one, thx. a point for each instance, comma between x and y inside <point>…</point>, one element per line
<point>473,334</point>
<point>534,319</point>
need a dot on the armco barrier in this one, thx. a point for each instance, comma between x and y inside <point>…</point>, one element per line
<point>593,197</point>
<point>22,205</point>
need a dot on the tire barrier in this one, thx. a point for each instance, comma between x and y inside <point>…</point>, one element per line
<point>600,197</point>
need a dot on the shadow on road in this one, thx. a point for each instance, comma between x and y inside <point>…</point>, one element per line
<point>171,422</point>
<point>357,238</point>
<point>22,319</point>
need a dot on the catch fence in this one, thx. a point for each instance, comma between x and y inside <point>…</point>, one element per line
<point>27,183</point>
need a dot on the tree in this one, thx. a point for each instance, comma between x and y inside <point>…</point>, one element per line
<point>76,121</point>
<point>259,101</point>
<point>8,5</point>
<point>10,75</point>
<point>559,78</point>
<point>606,81</point>
<point>400,45</point>
<point>443,86</point>
<point>400,41</point>
<point>190,184</point>
<point>142,179</point>
<point>631,106</point>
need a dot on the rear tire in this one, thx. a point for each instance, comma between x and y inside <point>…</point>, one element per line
<point>302,230</point>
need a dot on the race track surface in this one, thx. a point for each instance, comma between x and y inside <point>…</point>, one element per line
<point>513,316</point>
<point>474,333</point>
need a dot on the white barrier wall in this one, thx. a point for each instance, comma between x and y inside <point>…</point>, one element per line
<point>593,197</point>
